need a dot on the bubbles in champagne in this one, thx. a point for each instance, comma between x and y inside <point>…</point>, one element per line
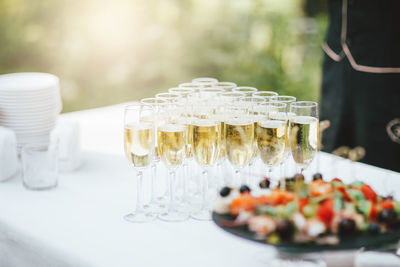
<point>171,144</point>
<point>139,143</point>
<point>206,142</point>
<point>304,135</point>
<point>271,141</point>
<point>239,141</point>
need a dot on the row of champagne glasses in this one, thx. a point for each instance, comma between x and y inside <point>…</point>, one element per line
<point>211,123</point>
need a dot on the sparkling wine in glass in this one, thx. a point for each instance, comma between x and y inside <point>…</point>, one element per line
<point>158,195</point>
<point>206,142</point>
<point>271,135</point>
<point>171,139</point>
<point>304,132</point>
<point>239,138</point>
<point>139,147</point>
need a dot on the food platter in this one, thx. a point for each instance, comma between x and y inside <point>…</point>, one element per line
<point>366,241</point>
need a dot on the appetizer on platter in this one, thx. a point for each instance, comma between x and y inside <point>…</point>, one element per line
<point>321,212</point>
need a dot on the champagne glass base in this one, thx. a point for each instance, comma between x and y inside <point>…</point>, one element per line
<point>173,216</point>
<point>202,215</point>
<point>139,217</point>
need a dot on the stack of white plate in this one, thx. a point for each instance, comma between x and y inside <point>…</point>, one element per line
<point>30,103</point>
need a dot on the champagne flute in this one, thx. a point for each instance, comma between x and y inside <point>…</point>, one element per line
<point>225,99</point>
<point>139,146</point>
<point>271,135</point>
<point>205,143</point>
<point>239,138</point>
<point>286,163</point>
<point>171,139</point>
<point>253,104</point>
<point>248,91</point>
<point>304,132</point>
<point>158,201</point>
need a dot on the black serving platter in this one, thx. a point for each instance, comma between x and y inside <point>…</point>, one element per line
<point>363,240</point>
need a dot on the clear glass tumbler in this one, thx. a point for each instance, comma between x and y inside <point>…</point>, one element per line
<point>40,166</point>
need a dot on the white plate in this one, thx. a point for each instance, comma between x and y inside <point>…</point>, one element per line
<point>27,81</point>
<point>15,111</point>
<point>26,99</point>
<point>31,94</point>
<point>27,127</point>
<point>28,108</point>
<point>24,121</point>
<point>33,116</point>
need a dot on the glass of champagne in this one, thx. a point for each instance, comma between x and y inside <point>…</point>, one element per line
<point>304,132</point>
<point>171,138</point>
<point>223,101</point>
<point>158,192</point>
<point>206,138</point>
<point>139,147</point>
<point>169,97</point>
<point>252,103</point>
<point>285,166</point>
<point>248,91</point>
<point>239,139</point>
<point>271,135</point>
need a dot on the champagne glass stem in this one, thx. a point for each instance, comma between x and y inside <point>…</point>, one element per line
<point>172,214</point>
<point>153,182</point>
<point>184,182</point>
<point>205,189</point>
<point>237,180</point>
<point>220,180</point>
<point>139,204</point>
<point>204,213</point>
<point>139,215</point>
<point>247,179</point>
<point>171,184</point>
<point>139,185</point>
<point>282,176</point>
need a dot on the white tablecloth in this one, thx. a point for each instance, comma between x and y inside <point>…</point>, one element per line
<point>80,222</point>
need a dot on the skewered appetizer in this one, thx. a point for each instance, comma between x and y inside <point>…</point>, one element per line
<point>319,211</point>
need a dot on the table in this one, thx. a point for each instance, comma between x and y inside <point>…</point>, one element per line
<point>80,222</point>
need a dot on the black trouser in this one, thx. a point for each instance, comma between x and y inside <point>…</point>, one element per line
<point>359,106</point>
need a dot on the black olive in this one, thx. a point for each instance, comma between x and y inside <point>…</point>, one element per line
<point>347,227</point>
<point>298,177</point>
<point>244,188</point>
<point>265,183</point>
<point>225,191</point>
<point>374,228</point>
<point>317,176</point>
<point>388,216</point>
<point>285,230</point>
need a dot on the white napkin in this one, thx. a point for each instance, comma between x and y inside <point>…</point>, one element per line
<point>67,134</point>
<point>8,154</point>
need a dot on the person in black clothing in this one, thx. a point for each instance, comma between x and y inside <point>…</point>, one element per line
<point>361,79</point>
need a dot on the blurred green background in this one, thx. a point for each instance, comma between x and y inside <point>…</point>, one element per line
<point>107,52</point>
